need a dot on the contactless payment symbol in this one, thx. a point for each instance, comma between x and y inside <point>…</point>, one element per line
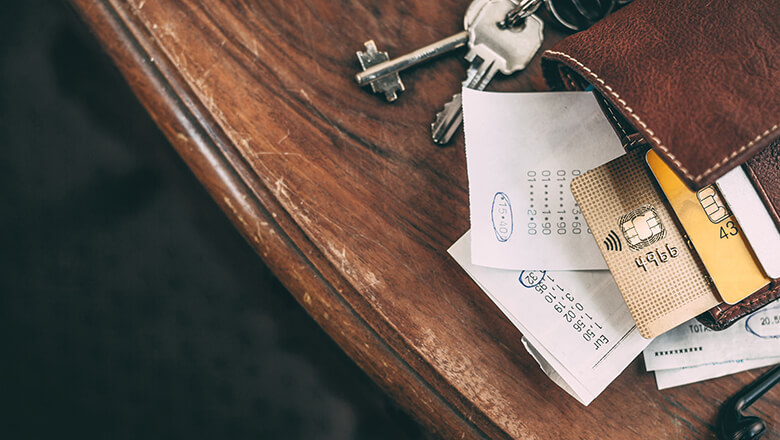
<point>612,242</point>
<point>641,227</point>
<point>713,205</point>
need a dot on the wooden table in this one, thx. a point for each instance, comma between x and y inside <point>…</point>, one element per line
<point>347,200</point>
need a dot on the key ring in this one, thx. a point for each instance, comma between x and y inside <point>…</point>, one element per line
<point>578,15</point>
<point>575,15</point>
<point>518,14</point>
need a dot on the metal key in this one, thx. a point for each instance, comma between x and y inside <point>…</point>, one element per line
<point>491,49</point>
<point>382,73</point>
<point>390,84</point>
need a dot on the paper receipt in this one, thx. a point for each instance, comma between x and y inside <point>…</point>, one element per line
<point>576,320</point>
<point>522,151</point>
<point>755,337</point>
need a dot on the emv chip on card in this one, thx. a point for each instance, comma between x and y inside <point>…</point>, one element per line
<point>660,279</point>
<point>714,233</point>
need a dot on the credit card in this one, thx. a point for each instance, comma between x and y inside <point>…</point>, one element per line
<point>714,233</point>
<point>661,280</point>
<point>751,213</point>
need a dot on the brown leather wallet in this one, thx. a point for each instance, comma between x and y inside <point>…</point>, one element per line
<point>698,81</point>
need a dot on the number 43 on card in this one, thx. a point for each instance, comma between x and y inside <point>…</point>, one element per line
<point>729,230</point>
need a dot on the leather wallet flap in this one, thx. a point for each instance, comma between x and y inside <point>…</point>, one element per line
<point>698,79</point>
<point>764,171</point>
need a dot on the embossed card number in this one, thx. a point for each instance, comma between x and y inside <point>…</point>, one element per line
<point>657,256</point>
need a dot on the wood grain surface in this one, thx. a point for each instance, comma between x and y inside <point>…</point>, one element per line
<point>347,200</point>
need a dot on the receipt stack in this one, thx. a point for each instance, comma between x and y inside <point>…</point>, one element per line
<point>574,323</point>
<point>531,252</point>
<point>692,352</point>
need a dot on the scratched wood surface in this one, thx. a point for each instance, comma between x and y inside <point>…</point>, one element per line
<point>347,200</point>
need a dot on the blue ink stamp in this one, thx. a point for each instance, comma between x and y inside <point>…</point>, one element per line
<point>501,217</point>
<point>530,278</point>
<point>765,323</point>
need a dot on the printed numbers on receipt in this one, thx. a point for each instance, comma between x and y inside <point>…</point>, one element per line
<point>551,207</point>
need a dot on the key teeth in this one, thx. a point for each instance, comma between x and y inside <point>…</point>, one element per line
<point>439,120</point>
<point>441,134</point>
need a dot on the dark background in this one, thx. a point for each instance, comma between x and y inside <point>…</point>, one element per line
<point>129,306</point>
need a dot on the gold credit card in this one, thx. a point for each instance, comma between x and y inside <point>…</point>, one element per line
<point>661,280</point>
<point>713,232</point>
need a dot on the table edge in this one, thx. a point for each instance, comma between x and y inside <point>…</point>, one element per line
<point>204,147</point>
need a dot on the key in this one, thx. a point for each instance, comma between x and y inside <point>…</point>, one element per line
<point>450,117</point>
<point>390,84</point>
<point>377,71</point>
<point>382,73</point>
<point>491,50</point>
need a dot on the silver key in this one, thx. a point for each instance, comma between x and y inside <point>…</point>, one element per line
<point>391,84</point>
<point>382,73</point>
<point>377,70</point>
<point>450,117</point>
<point>491,50</point>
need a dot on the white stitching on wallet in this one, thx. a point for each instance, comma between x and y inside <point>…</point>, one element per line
<point>655,138</point>
<point>739,150</point>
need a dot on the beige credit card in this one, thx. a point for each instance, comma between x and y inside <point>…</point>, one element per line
<point>661,280</point>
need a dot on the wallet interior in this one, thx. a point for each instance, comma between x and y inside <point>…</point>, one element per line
<point>697,84</point>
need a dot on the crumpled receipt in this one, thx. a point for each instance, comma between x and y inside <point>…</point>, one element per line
<point>574,323</point>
